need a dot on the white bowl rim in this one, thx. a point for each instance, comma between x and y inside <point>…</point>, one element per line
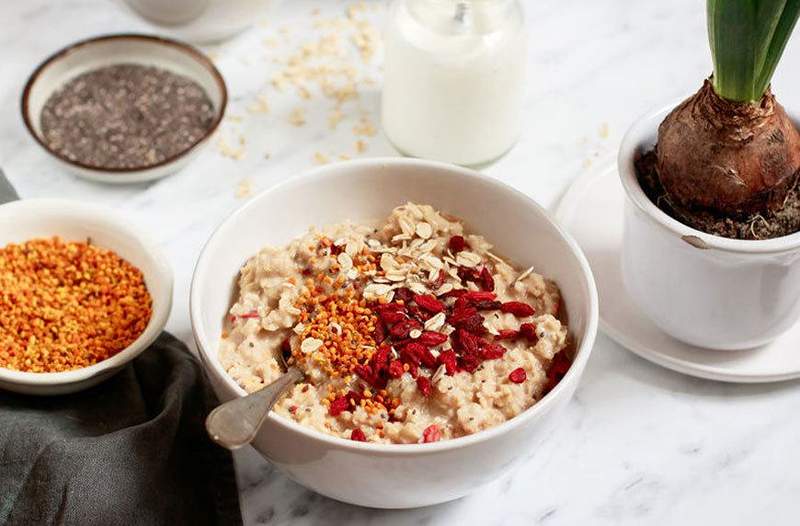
<point>154,327</point>
<point>582,352</point>
<point>187,49</point>
<point>630,143</point>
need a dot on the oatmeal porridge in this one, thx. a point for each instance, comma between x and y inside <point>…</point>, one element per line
<point>414,331</point>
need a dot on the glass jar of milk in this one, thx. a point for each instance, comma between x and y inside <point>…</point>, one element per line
<point>454,79</point>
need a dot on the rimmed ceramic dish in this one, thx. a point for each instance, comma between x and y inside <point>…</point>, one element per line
<point>395,476</point>
<point>705,290</point>
<point>107,50</point>
<point>43,218</point>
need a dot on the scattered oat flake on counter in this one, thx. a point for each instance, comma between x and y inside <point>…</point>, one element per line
<point>261,105</point>
<point>236,152</point>
<point>244,189</point>
<point>320,158</point>
<point>297,117</point>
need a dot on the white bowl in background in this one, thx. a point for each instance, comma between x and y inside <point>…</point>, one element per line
<point>103,51</point>
<point>377,475</point>
<point>202,21</point>
<point>73,221</point>
<point>705,290</point>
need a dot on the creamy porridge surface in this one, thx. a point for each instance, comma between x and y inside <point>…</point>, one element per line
<point>410,332</point>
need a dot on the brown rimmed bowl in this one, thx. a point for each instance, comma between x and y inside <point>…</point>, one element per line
<point>107,50</point>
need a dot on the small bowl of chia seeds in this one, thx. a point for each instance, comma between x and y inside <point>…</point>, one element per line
<point>124,108</point>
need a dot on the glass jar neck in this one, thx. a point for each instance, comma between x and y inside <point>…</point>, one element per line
<point>465,16</point>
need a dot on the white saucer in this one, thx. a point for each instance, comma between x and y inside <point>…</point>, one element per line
<point>591,210</point>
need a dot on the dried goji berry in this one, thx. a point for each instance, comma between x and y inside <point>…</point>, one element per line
<point>429,303</point>
<point>518,375</point>
<point>432,339</point>
<point>487,281</point>
<point>424,385</point>
<point>358,435</point>
<point>507,334</point>
<point>469,342</point>
<point>413,352</point>
<point>402,329</point>
<point>338,405</point>
<point>468,274</point>
<point>473,324</point>
<point>366,373</point>
<point>379,334</point>
<point>488,305</point>
<point>469,362</point>
<point>380,360</point>
<point>517,308</point>
<point>455,293</point>
<point>391,316</point>
<point>418,314</point>
<point>528,331</point>
<point>404,293</point>
<point>432,433</point>
<point>456,244</point>
<point>492,351</point>
<point>391,306</point>
<point>558,368</point>
<point>396,369</point>
<point>448,359</point>
<point>428,359</point>
<point>459,315</point>
<point>475,296</point>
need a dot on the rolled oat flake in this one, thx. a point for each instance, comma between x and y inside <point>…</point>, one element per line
<point>126,116</point>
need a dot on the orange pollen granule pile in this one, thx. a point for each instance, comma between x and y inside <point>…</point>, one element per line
<point>66,305</point>
<point>333,312</point>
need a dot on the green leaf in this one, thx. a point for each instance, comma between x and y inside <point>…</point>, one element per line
<point>747,39</point>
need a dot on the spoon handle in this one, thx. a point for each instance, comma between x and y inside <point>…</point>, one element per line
<point>235,423</point>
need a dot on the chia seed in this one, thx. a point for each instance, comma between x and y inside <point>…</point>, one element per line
<point>126,116</point>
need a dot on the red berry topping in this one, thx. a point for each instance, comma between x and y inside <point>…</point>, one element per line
<point>429,303</point>
<point>358,435</point>
<point>432,433</point>
<point>456,244</point>
<point>518,375</point>
<point>396,369</point>
<point>432,339</point>
<point>528,331</point>
<point>476,296</point>
<point>424,385</point>
<point>486,279</point>
<point>508,334</point>
<point>448,359</point>
<point>518,309</point>
<point>338,405</point>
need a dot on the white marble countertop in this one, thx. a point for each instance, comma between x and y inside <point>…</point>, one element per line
<point>638,444</point>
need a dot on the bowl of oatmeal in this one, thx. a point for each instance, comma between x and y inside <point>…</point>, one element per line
<point>439,317</point>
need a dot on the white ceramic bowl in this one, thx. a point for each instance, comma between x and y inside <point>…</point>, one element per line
<point>42,218</point>
<point>94,53</point>
<point>394,476</point>
<point>705,290</point>
<point>202,21</point>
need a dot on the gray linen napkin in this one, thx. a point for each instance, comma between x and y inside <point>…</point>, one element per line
<point>132,450</point>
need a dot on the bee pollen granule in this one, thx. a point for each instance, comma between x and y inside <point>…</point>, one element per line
<point>66,305</point>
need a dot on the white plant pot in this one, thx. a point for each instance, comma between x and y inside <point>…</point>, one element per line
<point>705,290</point>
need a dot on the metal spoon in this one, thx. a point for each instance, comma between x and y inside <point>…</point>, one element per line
<point>235,423</point>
